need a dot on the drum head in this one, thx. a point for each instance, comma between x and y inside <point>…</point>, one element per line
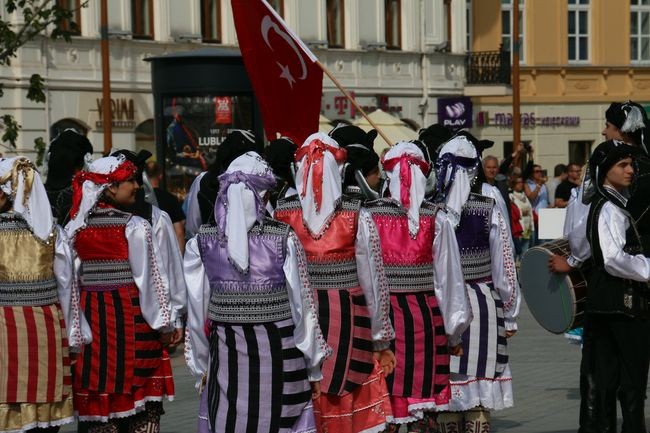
<point>549,296</point>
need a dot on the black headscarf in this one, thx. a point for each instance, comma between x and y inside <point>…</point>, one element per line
<point>435,135</point>
<point>65,157</point>
<point>140,208</point>
<point>279,154</point>
<point>360,153</point>
<point>237,143</point>
<point>604,157</point>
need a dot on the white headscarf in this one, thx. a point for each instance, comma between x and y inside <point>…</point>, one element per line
<point>319,150</point>
<point>456,178</point>
<point>239,203</point>
<point>88,186</point>
<point>22,183</point>
<point>410,196</point>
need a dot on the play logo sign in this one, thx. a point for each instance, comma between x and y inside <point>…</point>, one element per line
<point>455,113</point>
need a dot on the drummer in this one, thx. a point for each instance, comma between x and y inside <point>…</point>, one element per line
<point>622,123</point>
<point>617,299</point>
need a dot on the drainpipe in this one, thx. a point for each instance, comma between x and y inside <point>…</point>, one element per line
<point>424,68</point>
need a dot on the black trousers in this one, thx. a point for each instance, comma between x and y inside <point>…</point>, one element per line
<point>620,356</point>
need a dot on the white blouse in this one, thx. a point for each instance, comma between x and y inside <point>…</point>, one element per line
<point>149,275</point>
<point>307,333</point>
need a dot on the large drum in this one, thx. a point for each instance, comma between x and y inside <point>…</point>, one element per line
<point>557,301</point>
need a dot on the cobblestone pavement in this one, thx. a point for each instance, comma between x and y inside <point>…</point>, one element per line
<point>545,375</point>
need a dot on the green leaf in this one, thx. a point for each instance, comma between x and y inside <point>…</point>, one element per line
<point>39,147</point>
<point>36,91</point>
<point>11,128</point>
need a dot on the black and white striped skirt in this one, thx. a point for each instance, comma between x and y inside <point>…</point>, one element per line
<point>484,342</point>
<point>257,380</point>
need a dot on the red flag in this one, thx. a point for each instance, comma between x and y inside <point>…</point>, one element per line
<point>286,79</point>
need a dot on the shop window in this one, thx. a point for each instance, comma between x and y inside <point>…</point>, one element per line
<point>640,31</point>
<point>579,151</point>
<point>578,31</point>
<point>211,21</point>
<point>278,5</point>
<point>393,10</point>
<point>335,24</point>
<point>142,19</point>
<point>506,28</point>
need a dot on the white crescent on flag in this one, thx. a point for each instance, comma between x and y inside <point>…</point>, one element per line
<point>267,25</point>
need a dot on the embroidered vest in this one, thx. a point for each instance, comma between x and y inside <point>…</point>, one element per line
<point>408,260</point>
<point>104,251</point>
<point>607,293</point>
<point>26,273</point>
<point>330,255</point>
<point>473,236</point>
<point>258,296</point>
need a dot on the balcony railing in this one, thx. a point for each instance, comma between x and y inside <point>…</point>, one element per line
<point>488,67</point>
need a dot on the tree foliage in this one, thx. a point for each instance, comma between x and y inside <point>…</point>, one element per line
<point>41,18</point>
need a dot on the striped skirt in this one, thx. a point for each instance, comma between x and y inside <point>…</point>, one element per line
<point>420,380</point>
<point>125,365</point>
<point>484,342</point>
<point>35,379</point>
<point>345,321</point>
<point>257,380</point>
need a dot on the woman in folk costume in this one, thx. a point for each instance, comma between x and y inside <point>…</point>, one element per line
<point>414,238</point>
<point>35,276</point>
<point>353,315</point>
<point>480,378</point>
<point>429,307</point>
<point>123,374</point>
<point>252,323</point>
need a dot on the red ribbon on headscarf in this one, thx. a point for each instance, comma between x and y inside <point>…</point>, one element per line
<point>123,172</point>
<point>314,153</point>
<point>405,162</point>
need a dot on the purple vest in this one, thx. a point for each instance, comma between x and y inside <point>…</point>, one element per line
<point>258,296</point>
<point>473,236</point>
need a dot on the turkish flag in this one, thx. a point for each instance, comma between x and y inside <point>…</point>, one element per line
<point>286,79</point>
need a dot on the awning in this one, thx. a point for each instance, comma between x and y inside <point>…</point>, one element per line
<point>391,126</point>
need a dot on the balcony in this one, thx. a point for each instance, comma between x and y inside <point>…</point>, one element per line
<point>488,73</point>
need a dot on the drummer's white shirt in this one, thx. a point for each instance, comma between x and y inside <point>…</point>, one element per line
<point>613,222</point>
<point>575,229</point>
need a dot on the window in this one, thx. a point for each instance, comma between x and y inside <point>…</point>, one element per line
<point>142,19</point>
<point>211,21</point>
<point>335,27</point>
<point>468,25</point>
<point>393,24</point>
<point>71,25</point>
<point>640,31</point>
<point>578,31</point>
<point>278,5</point>
<point>506,28</point>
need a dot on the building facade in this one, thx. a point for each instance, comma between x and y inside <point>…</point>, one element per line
<point>577,56</point>
<point>398,55</point>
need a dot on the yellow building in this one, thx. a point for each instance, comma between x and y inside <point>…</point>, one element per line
<point>577,56</point>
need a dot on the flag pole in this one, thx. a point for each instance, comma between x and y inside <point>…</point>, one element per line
<point>351,99</point>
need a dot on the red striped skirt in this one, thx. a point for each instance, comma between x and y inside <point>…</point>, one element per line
<point>420,347</point>
<point>34,361</point>
<point>345,321</point>
<point>125,365</point>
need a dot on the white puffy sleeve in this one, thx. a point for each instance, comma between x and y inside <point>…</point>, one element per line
<point>504,274</point>
<point>197,347</point>
<point>172,262</point>
<point>149,275</point>
<point>612,225</point>
<point>307,334</point>
<point>193,215</point>
<point>575,229</point>
<point>449,283</point>
<point>370,269</point>
<point>66,272</point>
